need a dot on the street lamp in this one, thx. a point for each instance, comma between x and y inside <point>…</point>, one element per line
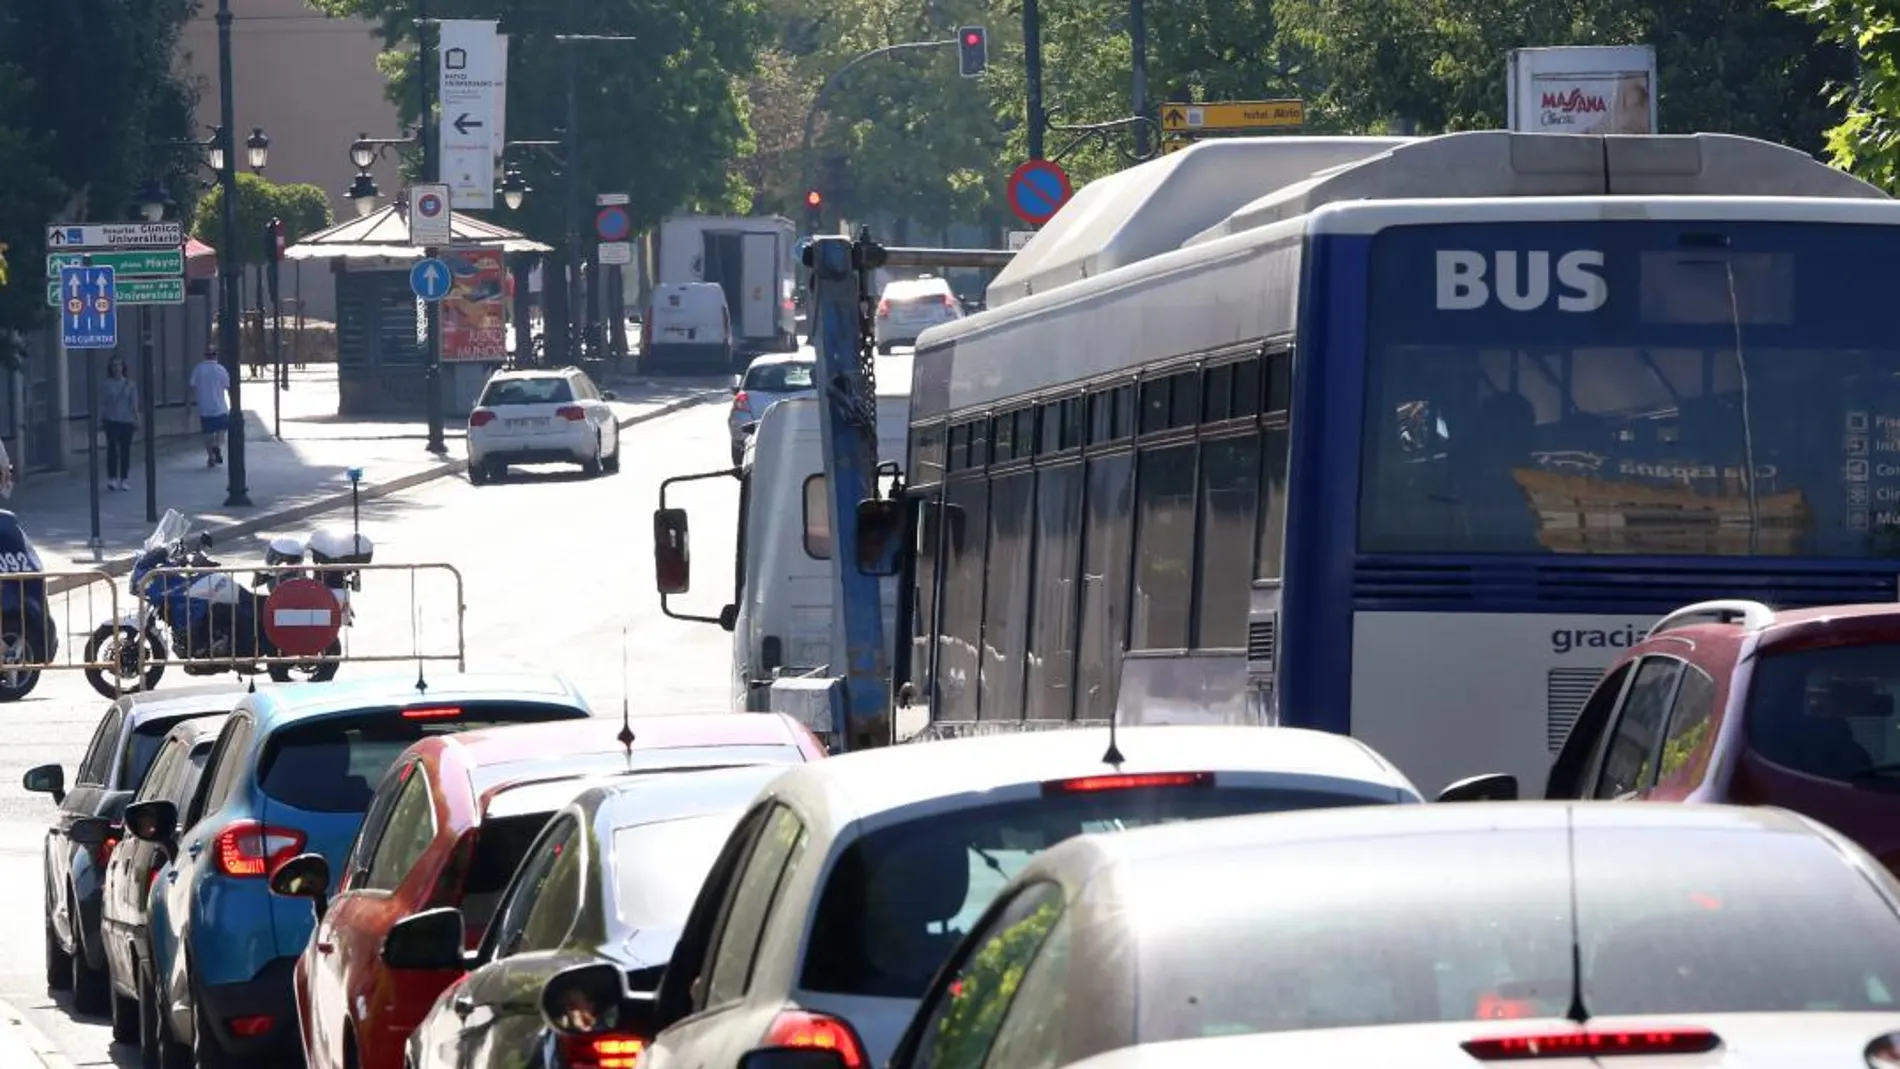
<point>152,201</point>
<point>257,149</point>
<point>214,152</point>
<point>362,153</point>
<point>363,193</point>
<point>514,188</point>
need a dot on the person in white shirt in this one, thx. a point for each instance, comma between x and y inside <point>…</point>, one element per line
<point>210,394</point>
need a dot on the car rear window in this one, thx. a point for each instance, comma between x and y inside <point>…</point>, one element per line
<point>548,391</point>
<point>779,378</point>
<point>488,777</point>
<point>658,867</point>
<point>900,897</point>
<point>1437,928</point>
<point>141,747</point>
<point>332,765</point>
<point>1829,712</point>
<point>500,844</point>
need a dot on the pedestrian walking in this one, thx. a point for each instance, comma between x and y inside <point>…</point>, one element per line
<point>210,395</point>
<point>119,412</point>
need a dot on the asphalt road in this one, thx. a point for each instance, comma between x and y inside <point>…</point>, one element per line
<point>557,573</point>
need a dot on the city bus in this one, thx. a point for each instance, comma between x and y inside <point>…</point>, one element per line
<point>1400,438</point>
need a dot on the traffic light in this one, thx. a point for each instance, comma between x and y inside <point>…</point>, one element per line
<point>274,240</point>
<point>814,211</point>
<point>973,53</point>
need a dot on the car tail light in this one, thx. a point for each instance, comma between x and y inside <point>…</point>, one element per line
<point>1128,782</point>
<point>801,1028</point>
<point>571,413</point>
<point>151,878</point>
<point>1592,1044</point>
<point>248,848</point>
<point>883,308</point>
<point>608,1051</point>
<point>250,1027</point>
<point>432,712</point>
<point>102,852</point>
<point>481,417</point>
<point>742,400</point>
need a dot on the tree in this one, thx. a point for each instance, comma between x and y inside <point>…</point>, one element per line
<point>304,209</point>
<point>776,99</point>
<point>1866,140</point>
<point>660,118</point>
<point>29,197</point>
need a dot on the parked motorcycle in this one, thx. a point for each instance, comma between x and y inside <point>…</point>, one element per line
<point>210,617</point>
<point>27,633</point>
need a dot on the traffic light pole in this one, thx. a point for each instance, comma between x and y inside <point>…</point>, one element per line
<point>818,100</point>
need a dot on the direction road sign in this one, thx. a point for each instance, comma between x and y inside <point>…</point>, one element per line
<point>613,224</point>
<point>1174,144</point>
<point>301,618</point>
<point>429,216</point>
<point>133,291</point>
<point>1037,190</point>
<point>431,279</point>
<point>89,316</point>
<point>114,235</point>
<point>1233,115</point>
<point>1020,238</point>
<point>615,253</point>
<point>155,263</point>
<point>473,86</point>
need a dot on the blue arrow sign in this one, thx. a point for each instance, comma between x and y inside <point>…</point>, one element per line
<point>431,279</point>
<point>89,308</point>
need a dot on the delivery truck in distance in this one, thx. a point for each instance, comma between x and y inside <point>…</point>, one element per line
<point>753,258</point>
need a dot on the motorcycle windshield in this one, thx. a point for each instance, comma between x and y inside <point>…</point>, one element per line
<point>171,528</point>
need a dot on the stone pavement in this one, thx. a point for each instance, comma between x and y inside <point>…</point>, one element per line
<point>23,1046</point>
<point>291,479</point>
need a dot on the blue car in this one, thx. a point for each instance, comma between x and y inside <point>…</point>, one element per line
<point>293,772</point>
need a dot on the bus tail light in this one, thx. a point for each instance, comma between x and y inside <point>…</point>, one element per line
<point>802,1028</point>
<point>1592,1044</point>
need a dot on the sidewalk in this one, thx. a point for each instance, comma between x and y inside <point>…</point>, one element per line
<point>289,480</point>
<point>22,1046</point>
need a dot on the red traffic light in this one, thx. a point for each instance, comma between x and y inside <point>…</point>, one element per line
<point>812,199</point>
<point>973,38</point>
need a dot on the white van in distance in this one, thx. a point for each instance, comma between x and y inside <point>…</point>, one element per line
<point>688,329</point>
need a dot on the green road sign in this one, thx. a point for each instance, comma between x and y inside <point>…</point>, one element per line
<point>133,291</point>
<point>146,263</point>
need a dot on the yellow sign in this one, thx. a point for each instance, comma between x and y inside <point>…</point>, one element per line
<point>3,263</point>
<point>1232,115</point>
<point>1174,144</point>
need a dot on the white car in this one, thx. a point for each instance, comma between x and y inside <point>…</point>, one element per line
<point>910,306</point>
<point>850,880</point>
<point>551,416</point>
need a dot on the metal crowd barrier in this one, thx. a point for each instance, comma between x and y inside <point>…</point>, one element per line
<point>51,638</point>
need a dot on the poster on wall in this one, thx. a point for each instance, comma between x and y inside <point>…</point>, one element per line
<point>1583,90</point>
<point>475,312</point>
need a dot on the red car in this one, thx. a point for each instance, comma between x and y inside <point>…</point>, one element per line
<point>448,826</point>
<point>1731,701</point>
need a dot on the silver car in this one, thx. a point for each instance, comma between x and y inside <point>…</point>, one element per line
<point>909,307</point>
<point>768,379</point>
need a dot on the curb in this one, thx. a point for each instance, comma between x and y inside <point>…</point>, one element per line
<point>341,499</point>
<point>45,1052</point>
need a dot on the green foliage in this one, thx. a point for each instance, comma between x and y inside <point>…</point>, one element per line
<point>304,209</point>
<point>660,118</point>
<point>28,198</point>
<point>1866,141</point>
<point>990,980</point>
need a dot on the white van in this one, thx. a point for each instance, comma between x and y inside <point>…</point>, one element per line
<point>785,617</point>
<point>688,328</point>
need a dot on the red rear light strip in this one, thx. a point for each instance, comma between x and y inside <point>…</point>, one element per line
<point>1128,782</point>
<point>798,1028</point>
<point>247,849</point>
<point>1592,1044</point>
<point>601,1052</point>
<point>432,712</point>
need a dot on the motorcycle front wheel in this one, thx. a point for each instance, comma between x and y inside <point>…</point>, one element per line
<point>310,671</point>
<point>118,645</point>
<point>19,649</point>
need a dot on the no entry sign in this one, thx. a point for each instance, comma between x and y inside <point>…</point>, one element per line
<point>1037,190</point>
<point>302,618</point>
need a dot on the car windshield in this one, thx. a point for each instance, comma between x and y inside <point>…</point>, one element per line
<point>1829,712</point>
<point>658,867</point>
<point>1407,930</point>
<point>779,378</point>
<point>900,897</point>
<point>539,391</point>
<point>332,765</point>
<point>141,749</point>
<point>1652,390</point>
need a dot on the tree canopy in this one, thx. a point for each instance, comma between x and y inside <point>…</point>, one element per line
<point>304,209</point>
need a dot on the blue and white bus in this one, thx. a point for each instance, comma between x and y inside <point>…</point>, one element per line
<point>1399,438</point>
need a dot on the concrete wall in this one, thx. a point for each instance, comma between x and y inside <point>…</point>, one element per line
<point>311,82</point>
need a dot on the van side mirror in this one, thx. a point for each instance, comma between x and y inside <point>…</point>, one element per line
<point>880,536</point>
<point>154,821</point>
<point>1493,787</point>
<point>46,779</point>
<point>672,562</point>
<point>430,941</point>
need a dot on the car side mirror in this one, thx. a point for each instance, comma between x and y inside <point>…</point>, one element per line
<point>89,831</point>
<point>880,536</point>
<point>587,999</point>
<point>728,617</point>
<point>155,821</point>
<point>304,876</point>
<point>1492,787</point>
<point>46,779</point>
<point>608,395</point>
<point>431,940</point>
<point>792,1058</point>
<point>737,381</point>
<point>672,562</point>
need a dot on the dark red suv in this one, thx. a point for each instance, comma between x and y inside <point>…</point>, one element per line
<point>1731,701</point>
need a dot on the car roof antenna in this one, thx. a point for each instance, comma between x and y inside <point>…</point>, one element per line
<point>626,708</point>
<point>1114,754</point>
<point>415,635</point>
<point>1577,1012</point>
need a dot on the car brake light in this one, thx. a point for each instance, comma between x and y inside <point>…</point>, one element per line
<point>742,400</point>
<point>1128,782</point>
<point>250,1027</point>
<point>248,848</point>
<point>1592,1044</point>
<point>102,852</point>
<point>432,712</point>
<point>481,417</point>
<point>571,413</point>
<point>883,308</point>
<point>601,1052</point>
<point>800,1028</point>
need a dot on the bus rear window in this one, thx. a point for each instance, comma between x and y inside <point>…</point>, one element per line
<point>332,765</point>
<point>1832,712</point>
<point>900,898</point>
